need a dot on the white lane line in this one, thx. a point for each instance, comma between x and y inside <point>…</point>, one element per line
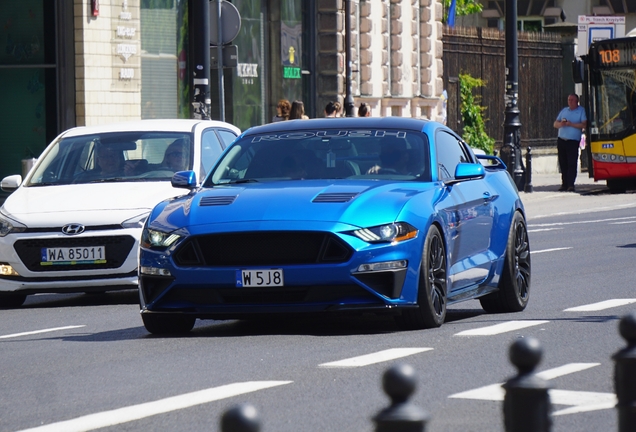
<point>501,328</point>
<point>621,223</point>
<point>544,229</point>
<point>579,401</point>
<point>40,331</point>
<point>531,226</point>
<point>607,304</point>
<point>549,250</point>
<point>494,392</point>
<point>137,412</point>
<point>378,357</point>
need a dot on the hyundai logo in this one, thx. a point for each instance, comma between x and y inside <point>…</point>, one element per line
<point>73,228</point>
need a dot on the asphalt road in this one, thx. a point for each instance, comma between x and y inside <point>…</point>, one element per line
<point>86,360</point>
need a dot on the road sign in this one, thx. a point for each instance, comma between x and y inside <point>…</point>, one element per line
<point>230,22</point>
<point>230,56</point>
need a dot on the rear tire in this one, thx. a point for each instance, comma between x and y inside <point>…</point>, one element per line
<point>514,285</point>
<point>11,300</point>
<point>617,186</point>
<point>167,324</point>
<point>431,291</point>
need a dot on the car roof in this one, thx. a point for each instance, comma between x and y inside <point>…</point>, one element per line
<point>150,125</point>
<point>347,122</point>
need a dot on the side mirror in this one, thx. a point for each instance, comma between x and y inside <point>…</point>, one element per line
<point>578,71</point>
<point>184,179</point>
<point>11,183</point>
<point>468,171</point>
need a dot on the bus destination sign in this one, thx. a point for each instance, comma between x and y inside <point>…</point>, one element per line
<point>611,54</point>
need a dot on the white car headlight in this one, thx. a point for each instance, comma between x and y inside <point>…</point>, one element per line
<point>8,226</point>
<point>389,233</point>
<point>153,239</point>
<point>136,222</point>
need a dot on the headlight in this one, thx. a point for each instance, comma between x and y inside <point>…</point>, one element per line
<point>8,226</point>
<point>153,239</point>
<point>136,222</point>
<point>389,233</point>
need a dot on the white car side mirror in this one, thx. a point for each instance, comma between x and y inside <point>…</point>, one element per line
<point>11,183</point>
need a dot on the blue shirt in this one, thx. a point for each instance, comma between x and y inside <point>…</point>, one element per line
<point>574,116</point>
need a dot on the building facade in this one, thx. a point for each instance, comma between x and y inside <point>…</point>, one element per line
<point>84,62</point>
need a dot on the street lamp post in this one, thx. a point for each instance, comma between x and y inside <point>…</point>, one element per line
<point>348,103</point>
<point>512,125</point>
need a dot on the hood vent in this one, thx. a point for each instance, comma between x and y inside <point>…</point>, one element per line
<point>340,197</point>
<point>217,200</point>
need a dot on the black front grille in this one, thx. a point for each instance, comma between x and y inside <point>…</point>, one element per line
<point>332,294</point>
<point>270,248</point>
<point>117,250</point>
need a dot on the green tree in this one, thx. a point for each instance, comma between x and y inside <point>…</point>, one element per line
<point>462,7</point>
<point>472,115</point>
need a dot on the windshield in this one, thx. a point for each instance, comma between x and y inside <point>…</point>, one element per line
<point>112,157</point>
<point>614,103</point>
<point>325,154</point>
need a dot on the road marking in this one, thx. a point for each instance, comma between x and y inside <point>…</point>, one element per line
<point>501,328</point>
<point>137,412</point>
<point>621,223</point>
<point>40,331</point>
<point>579,401</point>
<point>378,357</point>
<point>587,210</point>
<point>549,250</point>
<point>544,229</point>
<point>607,304</point>
<point>582,222</point>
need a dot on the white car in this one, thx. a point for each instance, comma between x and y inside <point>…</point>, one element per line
<point>74,223</point>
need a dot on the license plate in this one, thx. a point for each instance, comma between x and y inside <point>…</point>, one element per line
<point>259,278</point>
<point>72,256</point>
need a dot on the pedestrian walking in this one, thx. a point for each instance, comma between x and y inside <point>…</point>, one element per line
<point>297,111</point>
<point>570,122</point>
<point>282,111</point>
<point>364,110</point>
<point>331,110</point>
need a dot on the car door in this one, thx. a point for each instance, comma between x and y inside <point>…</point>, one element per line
<point>469,208</point>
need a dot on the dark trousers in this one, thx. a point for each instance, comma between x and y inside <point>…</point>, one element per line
<point>568,152</point>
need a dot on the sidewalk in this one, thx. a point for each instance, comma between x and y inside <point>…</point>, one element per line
<point>551,182</point>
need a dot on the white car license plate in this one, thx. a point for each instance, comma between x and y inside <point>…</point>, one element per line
<point>259,278</point>
<point>72,256</point>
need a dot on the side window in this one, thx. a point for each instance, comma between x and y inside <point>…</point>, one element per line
<point>227,137</point>
<point>450,153</point>
<point>210,150</point>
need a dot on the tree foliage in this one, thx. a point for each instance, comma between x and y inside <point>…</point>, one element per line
<point>462,7</point>
<point>472,114</point>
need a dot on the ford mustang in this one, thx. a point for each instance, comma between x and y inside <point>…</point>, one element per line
<point>74,223</point>
<point>388,215</point>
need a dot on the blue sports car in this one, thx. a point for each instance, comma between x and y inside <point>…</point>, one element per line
<point>388,214</point>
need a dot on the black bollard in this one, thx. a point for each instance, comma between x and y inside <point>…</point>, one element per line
<point>528,187</point>
<point>526,404</point>
<point>399,383</point>
<point>240,418</point>
<point>625,375</point>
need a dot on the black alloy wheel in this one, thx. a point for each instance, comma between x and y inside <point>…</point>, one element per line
<point>514,285</point>
<point>432,287</point>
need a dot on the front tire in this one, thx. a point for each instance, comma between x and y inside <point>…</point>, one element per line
<point>514,285</point>
<point>167,324</point>
<point>432,287</point>
<point>11,300</point>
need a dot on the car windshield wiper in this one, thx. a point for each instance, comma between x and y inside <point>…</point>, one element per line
<point>247,180</point>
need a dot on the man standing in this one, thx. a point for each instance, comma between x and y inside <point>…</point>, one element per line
<point>570,121</point>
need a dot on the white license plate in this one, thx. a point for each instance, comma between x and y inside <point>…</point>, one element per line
<point>259,278</point>
<point>72,256</point>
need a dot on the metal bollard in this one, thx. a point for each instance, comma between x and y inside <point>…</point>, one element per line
<point>399,383</point>
<point>625,375</point>
<point>528,186</point>
<point>240,418</point>
<point>526,404</point>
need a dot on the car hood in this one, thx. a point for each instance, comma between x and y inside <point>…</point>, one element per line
<point>356,203</point>
<point>103,203</point>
